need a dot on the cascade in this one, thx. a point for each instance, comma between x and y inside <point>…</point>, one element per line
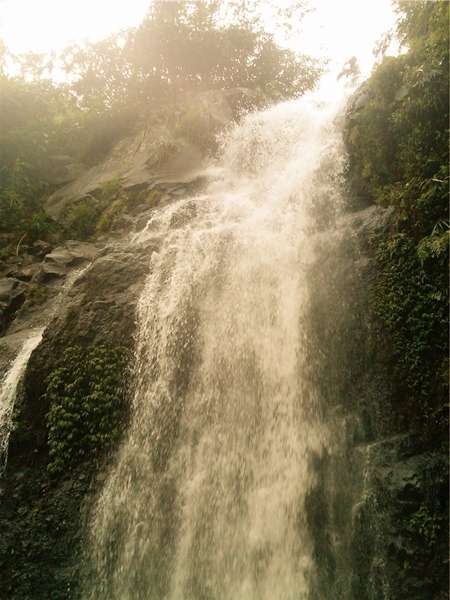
<point>10,383</point>
<point>8,390</point>
<point>233,480</point>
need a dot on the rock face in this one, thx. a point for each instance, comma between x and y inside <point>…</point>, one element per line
<point>400,528</point>
<point>98,310</point>
<point>12,296</point>
<point>170,147</point>
<point>85,295</point>
<point>58,262</point>
<point>42,516</point>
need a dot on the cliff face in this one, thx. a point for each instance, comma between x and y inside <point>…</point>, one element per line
<point>72,403</point>
<point>407,304</point>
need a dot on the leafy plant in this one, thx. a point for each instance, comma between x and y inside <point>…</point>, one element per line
<point>86,395</point>
<point>397,140</point>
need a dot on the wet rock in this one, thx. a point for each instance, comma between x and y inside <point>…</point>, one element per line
<point>57,263</point>
<point>25,273</point>
<point>180,192</point>
<point>41,248</point>
<point>81,251</point>
<point>60,256</point>
<point>51,271</point>
<point>10,346</point>
<point>63,169</point>
<point>12,296</point>
<point>98,310</point>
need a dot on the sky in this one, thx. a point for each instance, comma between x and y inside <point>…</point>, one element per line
<point>335,29</point>
<point>45,25</point>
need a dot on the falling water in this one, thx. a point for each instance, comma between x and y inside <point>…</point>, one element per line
<point>13,377</point>
<point>212,495</point>
<point>8,390</point>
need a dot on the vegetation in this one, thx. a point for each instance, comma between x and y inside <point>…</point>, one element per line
<point>44,516</point>
<point>86,399</point>
<point>35,122</point>
<point>398,149</point>
<point>179,47</point>
<point>95,213</point>
<point>397,139</point>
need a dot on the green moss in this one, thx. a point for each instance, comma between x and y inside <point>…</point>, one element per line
<point>43,527</point>
<point>410,298</point>
<point>153,197</point>
<point>95,213</point>
<point>397,142</point>
<point>116,208</point>
<point>82,218</point>
<point>86,396</point>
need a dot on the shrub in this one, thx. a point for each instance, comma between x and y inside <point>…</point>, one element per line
<point>86,396</point>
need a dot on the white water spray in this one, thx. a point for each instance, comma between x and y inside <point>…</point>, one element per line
<point>208,496</point>
<point>8,390</point>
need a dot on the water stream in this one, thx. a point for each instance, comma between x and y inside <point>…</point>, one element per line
<point>234,480</point>
<point>8,390</point>
<point>9,385</point>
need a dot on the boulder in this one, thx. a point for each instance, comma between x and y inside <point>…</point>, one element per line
<point>25,273</point>
<point>58,261</point>
<point>99,309</point>
<point>41,248</point>
<point>12,296</point>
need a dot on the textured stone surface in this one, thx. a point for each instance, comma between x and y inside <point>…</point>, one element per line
<point>163,151</point>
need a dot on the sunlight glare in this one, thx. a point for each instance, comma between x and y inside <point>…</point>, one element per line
<point>52,25</point>
<point>332,30</point>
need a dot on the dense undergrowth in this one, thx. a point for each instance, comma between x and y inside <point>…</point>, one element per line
<point>86,398</point>
<point>397,141</point>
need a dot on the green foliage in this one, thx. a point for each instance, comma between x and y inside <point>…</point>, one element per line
<point>95,213</point>
<point>411,300</point>
<point>42,532</point>
<point>114,209</point>
<point>86,396</point>
<point>397,139</point>
<point>182,46</point>
<point>20,202</point>
<point>426,524</point>
<point>37,119</point>
<point>423,521</point>
<point>82,217</point>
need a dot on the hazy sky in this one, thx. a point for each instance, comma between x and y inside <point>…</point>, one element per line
<point>336,29</point>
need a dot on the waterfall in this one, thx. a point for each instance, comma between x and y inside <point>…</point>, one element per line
<point>10,384</point>
<point>8,390</point>
<point>233,481</point>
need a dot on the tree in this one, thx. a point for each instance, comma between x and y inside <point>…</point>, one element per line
<point>189,45</point>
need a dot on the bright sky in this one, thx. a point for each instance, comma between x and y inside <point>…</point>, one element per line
<point>44,25</point>
<point>337,29</point>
